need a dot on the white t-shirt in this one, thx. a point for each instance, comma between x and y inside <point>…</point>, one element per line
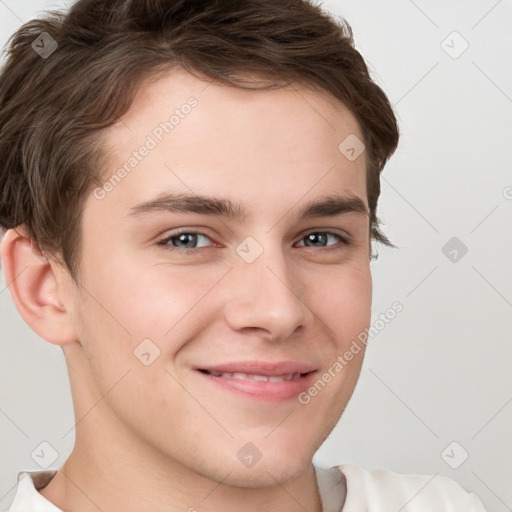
<point>345,488</point>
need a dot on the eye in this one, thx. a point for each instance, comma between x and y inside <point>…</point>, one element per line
<point>322,239</point>
<point>186,240</point>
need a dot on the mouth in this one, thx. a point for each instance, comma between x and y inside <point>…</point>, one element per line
<point>259,380</point>
<point>252,376</point>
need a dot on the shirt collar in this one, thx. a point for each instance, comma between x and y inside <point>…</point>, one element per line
<point>27,497</point>
<point>331,487</point>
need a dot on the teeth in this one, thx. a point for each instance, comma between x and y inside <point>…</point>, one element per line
<point>263,378</point>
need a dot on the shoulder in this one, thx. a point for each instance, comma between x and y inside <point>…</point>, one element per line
<point>405,492</point>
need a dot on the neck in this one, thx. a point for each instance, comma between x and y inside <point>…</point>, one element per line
<point>112,469</point>
<point>126,483</point>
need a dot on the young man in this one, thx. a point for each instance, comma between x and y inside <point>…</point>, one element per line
<point>189,192</point>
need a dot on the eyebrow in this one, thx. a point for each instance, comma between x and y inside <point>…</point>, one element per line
<point>327,206</point>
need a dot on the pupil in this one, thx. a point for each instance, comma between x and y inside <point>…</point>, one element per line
<point>187,239</point>
<point>317,238</point>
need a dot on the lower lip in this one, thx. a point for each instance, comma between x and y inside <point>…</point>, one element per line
<point>265,390</point>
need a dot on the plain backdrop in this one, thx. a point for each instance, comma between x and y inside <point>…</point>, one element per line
<point>435,393</point>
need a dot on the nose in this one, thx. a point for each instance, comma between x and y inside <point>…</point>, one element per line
<point>264,297</point>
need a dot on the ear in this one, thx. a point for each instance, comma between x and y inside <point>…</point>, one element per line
<point>33,284</point>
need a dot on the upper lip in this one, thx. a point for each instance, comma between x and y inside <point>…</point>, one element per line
<point>261,367</point>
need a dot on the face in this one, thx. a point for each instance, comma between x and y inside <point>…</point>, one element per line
<point>224,273</point>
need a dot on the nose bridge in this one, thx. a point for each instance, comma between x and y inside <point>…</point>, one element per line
<point>265,294</point>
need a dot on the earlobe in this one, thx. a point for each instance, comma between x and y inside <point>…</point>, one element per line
<point>34,288</point>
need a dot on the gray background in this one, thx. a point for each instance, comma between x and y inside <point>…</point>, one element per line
<point>440,372</point>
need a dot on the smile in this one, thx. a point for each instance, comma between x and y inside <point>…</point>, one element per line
<point>260,380</point>
<point>250,376</point>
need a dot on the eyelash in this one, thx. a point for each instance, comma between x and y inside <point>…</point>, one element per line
<point>345,241</point>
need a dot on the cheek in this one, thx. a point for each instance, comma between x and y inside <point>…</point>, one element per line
<point>342,299</point>
<point>132,300</point>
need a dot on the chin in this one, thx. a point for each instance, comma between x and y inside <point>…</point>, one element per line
<point>266,462</point>
<point>265,473</point>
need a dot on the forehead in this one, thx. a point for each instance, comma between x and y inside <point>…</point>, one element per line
<point>211,138</point>
<point>164,92</point>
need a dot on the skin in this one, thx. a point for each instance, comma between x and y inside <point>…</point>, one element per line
<point>162,437</point>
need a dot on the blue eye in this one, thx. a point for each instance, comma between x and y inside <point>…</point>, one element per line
<point>321,238</point>
<point>190,241</point>
<point>186,240</point>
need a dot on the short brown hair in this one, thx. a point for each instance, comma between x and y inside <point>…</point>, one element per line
<point>53,109</point>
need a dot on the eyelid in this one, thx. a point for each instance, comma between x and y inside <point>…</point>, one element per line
<point>189,231</point>
<point>345,239</point>
<point>328,230</point>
